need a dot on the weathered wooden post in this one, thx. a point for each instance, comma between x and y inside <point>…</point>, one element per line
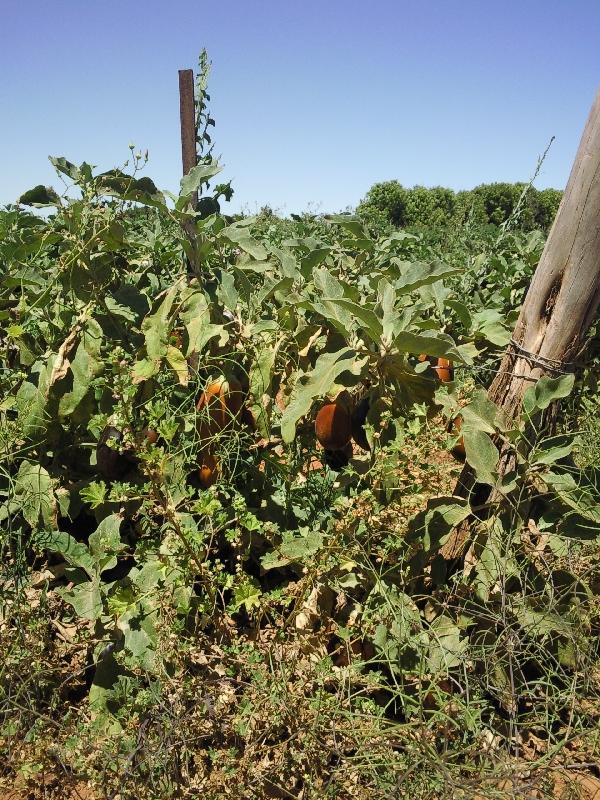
<point>561,303</point>
<point>189,155</point>
<point>564,293</point>
<point>187,117</point>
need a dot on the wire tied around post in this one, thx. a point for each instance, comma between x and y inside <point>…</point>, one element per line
<point>550,365</point>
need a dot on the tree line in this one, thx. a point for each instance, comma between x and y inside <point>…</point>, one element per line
<point>391,203</point>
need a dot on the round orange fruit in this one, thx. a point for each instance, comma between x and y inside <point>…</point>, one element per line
<point>333,426</point>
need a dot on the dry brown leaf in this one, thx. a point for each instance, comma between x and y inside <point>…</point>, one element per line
<point>62,363</point>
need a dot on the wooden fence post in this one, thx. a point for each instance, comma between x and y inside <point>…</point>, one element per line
<point>561,304</point>
<point>187,116</point>
<point>564,294</point>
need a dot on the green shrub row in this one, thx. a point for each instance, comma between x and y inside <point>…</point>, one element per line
<point>389,202</point>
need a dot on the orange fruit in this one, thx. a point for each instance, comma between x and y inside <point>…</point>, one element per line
<point>150,435</point>
<point>333,426</point>
<point>445,370</point>
<point>208,470</point>
<point>221,402</point>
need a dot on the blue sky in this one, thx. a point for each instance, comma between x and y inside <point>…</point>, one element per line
<point>314,100</point>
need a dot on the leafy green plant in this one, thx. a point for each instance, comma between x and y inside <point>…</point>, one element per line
<point>293,626</point>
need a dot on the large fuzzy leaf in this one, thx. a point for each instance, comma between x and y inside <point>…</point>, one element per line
<point>195,315</point>
<point>33,488</point>
<point>86,598</point>
<point>440,345</point>
<point>421,274</point>
<point>481,454</point>
<point>446,647</point>
<point>546,391</point>
<point>39,197</point>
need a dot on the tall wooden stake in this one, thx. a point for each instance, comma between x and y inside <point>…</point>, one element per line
<point>187,116</point>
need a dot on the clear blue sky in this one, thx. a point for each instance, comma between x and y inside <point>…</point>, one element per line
<point>314,100</point>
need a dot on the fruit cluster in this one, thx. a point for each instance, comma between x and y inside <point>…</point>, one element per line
<point>222,407</point>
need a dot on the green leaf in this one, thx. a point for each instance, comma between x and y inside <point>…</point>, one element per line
<point>105,542</point>
<point>494,566</point>
<point>156,328</point>
<point>67,168</point>
<point>139,190</point>
<point>121,600</point>
<point>176,360</point>
<point>462,312</point>
<point>289,264</point>
<point>411,387</point>
<point>334,314</point>
<point>552,449</point>
<point>247,594</point>
<point>317,383</point>
<point>195,315</point>
<point>386,301</point>
<point>73,552</point>
<point>481,454</point>
<point>421,274</point>
<point>260,377</point>
<point>468,352</point>
<point>7,403</point>
<point>102,693</point>
<point>32,399</point>
<point>129,303</point>
<point>399,637</point>
<point>85,598</point>
<point>191,182</point>
<point>481,413</point>
<point>33,489</point>
<point>538,620</point>
<point>85,366</point>
<point>115,309</point>
<point>361,316</point>
<point>94,494</point>
<point>327,284</point>
<point>246,243</point>
<point>227,294</point>
<point>578,495</point>
<point>293,549</point>
<point>150,574</point>
<point>272,288</point>
<point>489,324</point>
<point>140,635</point>
<point>349,222</point>
<point>15,331</point>
<point>489,569</point>
<point>440,345</point>
<point>348,581</point>
<point>144,369</point>
<point>432,526</point>
<point>39,197</point>
<point>446,646</point>
<point>546,391</point>
<point>315,256</point>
